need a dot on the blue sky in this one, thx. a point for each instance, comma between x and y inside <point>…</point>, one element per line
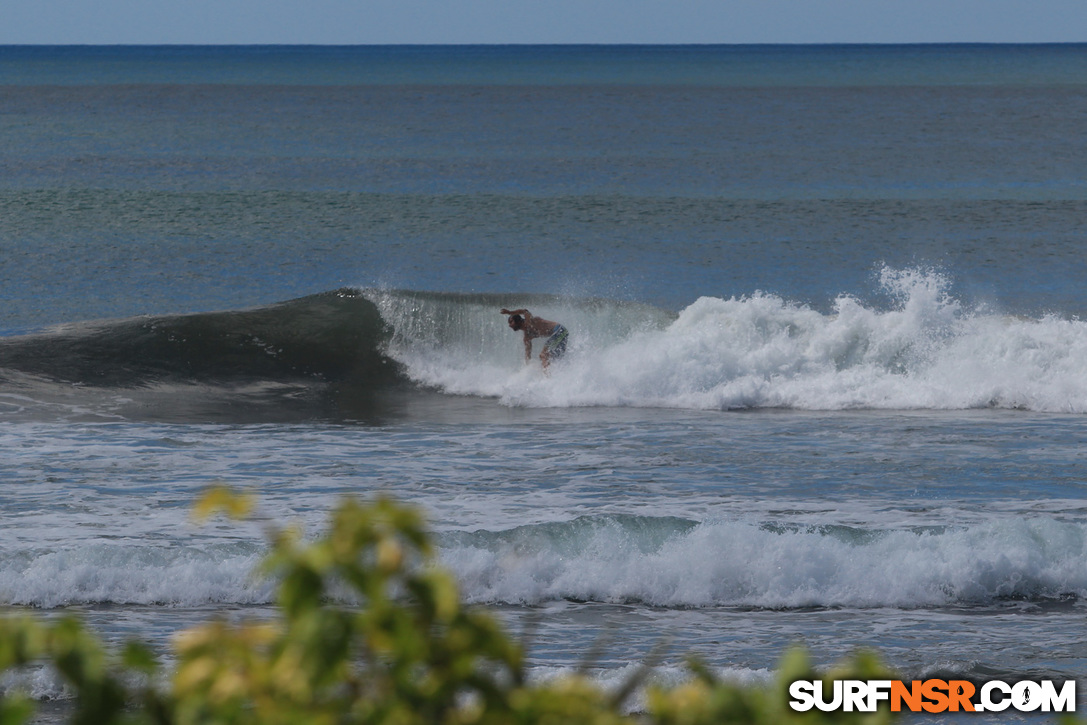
<point>541,21</point>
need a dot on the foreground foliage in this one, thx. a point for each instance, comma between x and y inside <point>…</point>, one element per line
<point>408,652</point>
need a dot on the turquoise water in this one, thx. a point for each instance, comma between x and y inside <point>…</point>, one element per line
<point>826,379</point>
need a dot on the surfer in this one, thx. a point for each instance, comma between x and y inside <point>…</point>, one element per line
<point>525,322</point>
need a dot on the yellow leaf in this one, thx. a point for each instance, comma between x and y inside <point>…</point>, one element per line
<point>225,499</point>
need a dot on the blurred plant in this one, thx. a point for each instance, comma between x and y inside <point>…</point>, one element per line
<point>405,651</point>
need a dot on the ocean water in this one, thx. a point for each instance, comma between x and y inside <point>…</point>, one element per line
<point>827,377</point>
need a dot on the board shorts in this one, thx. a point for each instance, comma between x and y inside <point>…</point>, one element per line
<point>555,347</point>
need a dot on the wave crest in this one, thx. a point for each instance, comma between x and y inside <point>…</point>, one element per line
<point>734,563</point>
<point>659,561</point>
<point>928,351</point>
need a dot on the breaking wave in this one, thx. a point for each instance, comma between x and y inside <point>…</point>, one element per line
<point>927,351</point>
<point>676,563</point>
<point>924,350</point>
<point>659,561</point>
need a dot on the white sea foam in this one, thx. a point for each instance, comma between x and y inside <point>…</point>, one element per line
<point>662,562</point>
<point>746,564</point>
<point>132,574</point>
<point>927,351</point>
<point>39,682</point>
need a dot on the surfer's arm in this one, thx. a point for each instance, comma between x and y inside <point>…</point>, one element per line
<point>515,312</point>
<point>528,348</point>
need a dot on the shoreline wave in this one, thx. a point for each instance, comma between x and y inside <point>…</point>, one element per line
<point>622,559</point>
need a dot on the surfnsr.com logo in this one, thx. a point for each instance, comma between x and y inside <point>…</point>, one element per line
<point>934,696</point>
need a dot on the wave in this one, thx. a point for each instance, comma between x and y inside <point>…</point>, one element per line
<point>669,563</point>
<point>113,573</point>
<point>657,561</point>
<point>924,350</point>
<point>329,336</point>
<point>928,350</point>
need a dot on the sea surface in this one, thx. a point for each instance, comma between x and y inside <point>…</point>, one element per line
<point>827,373</point>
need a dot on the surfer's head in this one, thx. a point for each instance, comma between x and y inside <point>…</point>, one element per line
<point>517,322</point>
